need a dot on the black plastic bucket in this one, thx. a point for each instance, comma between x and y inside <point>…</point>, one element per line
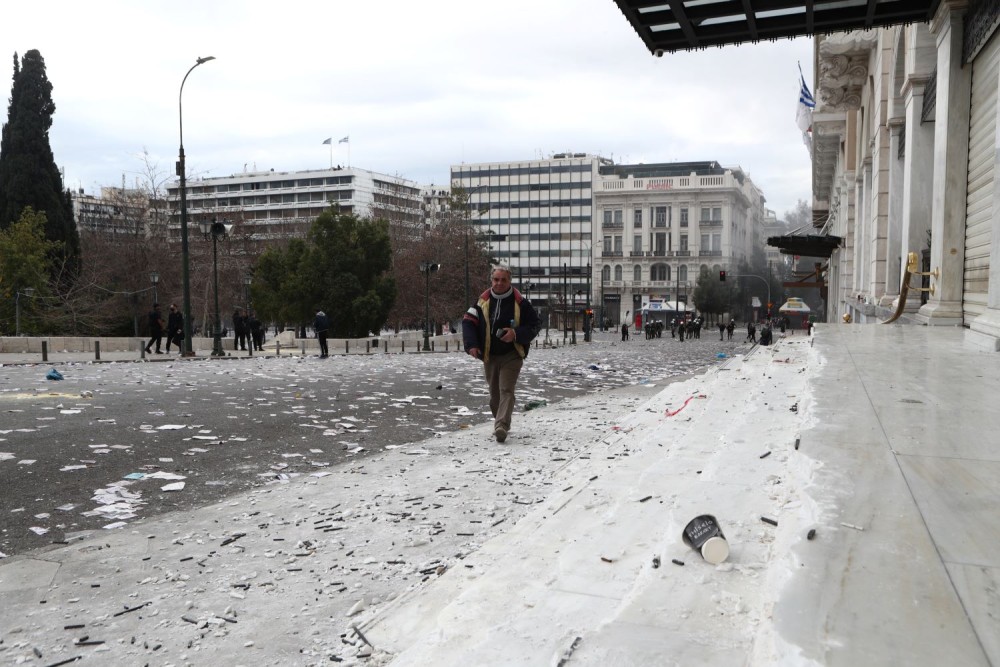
<point>704,535</point>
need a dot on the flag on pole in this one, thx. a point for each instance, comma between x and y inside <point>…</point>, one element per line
<point>345,140</point>
<point>804,109</point>
<point>328,141</point>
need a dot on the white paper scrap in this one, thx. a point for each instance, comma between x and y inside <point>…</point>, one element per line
<point>176,486</point>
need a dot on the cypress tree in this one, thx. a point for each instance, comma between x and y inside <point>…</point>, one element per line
<point>28,172</point>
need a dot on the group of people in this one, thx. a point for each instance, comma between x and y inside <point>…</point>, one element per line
<point>678,328</point>
<point>173,327</point>
<point>248,330</point>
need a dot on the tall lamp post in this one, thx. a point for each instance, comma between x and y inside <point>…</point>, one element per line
<point>468,223</point>
<point>215,230</point>
<point>154,278</point>
<point>28,292</point>
<point>185,271</point>
<point>427,268</point>
<point>247,281</point>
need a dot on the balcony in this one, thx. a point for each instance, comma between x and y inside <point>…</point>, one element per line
<point>710,253</point>
<point>710,223</point>
<point>659,253</point>
<point>612,225</point>
<point>611,253</point>
<point>636,253</point>
<point>682,253</point>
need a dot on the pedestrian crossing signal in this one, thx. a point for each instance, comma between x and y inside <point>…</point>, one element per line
<point>722,276</point>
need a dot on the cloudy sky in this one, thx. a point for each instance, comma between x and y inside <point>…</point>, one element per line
<point>416,86</point>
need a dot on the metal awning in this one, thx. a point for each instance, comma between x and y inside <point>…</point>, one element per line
<point>806,245</point>
<point>666,26</point>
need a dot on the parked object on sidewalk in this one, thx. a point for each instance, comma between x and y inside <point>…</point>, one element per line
<point>704,535</point>
<point>53,375</point>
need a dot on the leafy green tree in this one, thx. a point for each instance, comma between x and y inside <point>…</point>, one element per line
<point>24,262</point>
<point>28,172</point>
<point>342,267</point>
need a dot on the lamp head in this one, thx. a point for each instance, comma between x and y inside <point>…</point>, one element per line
<point>28,291</point>
<point>205,59</point>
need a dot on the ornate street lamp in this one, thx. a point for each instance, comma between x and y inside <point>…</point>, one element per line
<point>215,230</point>
<point>28,292</point>
<point>427,268</point>
<point>185,271</point>
<point>154,278</point>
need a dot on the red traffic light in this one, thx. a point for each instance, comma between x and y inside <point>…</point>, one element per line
<point>722,276</point>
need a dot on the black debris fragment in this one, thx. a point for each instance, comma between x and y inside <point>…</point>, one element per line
<point>769,520</point>
<point>642,500</point>
<point>232,538</point>
<point>811,534</point>
<point>656,562</point>
<point>130,609</point>
<point>676,562</point>
<point>765,455</point>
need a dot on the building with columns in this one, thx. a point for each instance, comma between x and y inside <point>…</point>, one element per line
<point>905,160</point>
<point>657,226</point>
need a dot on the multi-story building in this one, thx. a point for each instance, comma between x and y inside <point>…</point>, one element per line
<point>119,211</point>
<point>272,204</point>
<point>537,217</point>
<point>658,225</point>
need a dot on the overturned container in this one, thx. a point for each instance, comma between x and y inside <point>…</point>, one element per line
<point>704,535</point>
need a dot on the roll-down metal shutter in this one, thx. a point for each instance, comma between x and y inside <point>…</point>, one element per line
<point>979,198</point>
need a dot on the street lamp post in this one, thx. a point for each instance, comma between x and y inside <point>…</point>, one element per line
<point>185,271</point>
<point>426,268</point>
<point>247,281</point>
<point>154,278</point>
<point>588,324</point>
<point>215,230</point>
<point>28,292</point>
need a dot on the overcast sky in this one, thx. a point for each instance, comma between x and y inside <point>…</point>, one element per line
<point>417,87</point>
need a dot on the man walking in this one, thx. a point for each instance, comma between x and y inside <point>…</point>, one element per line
<point>498,330</point>
<point>175,328</point>
<point>155,329</point>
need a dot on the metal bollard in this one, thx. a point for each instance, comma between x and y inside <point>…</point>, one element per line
<point>347,346</point>
<point>402,347</point>
<point>142,349</point>
<point>277,348</point>
<point>97,350</point>
<point>387,347</point>
<point>303,348</point>
<point>45,350</point>
<point>368,346</point>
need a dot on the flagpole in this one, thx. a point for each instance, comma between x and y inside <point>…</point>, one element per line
<point>331,155</point>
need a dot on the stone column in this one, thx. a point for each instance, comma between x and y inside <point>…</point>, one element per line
<point>951,158</point>
<point>918,178</point>
<point>893,236</point>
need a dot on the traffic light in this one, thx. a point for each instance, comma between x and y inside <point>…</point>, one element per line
<point>722,276</point>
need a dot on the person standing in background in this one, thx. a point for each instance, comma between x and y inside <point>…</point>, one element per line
<point>322,326</point>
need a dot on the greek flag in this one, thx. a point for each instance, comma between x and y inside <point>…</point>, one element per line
<point>803,113</point>
<point>345,140</point>
<point>328,141</point>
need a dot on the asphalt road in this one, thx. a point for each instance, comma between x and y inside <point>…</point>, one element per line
<point>67,447</point>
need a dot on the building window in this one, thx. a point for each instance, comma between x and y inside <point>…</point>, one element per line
<point>660,216</point>
<point>637,273</point>
<point>607,216</point>
<point>618,244</point>
<point>618,216</point>
<point>705,242</point>
<point>658,272</point>
<point>637,218</point>
<point>706,213</point>
<point>717,242</point>
<point>637,243</point>
<point>717,213</point>
<point>607,244</point>
<point>682,273</point>
<point>606,273</point>
<point>618,272</point>
<point>684,217</point>
<point>684,242</point>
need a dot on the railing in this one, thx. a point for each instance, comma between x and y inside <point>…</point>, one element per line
<point>647,184</point>
<point>710,223</point>
<point>710,253</point>
<point>611,253</point>
<point>659,253</point>
<point>682,253</point>
<point>612,225</point>
<point>636,253</point>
